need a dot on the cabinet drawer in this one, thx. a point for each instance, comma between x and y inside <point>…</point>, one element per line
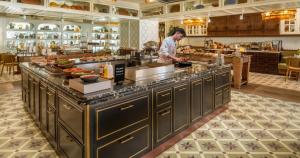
<point>163,97</point>
<point>71,115</point>
<point>163,124</point>
<point>218,98</point>
<point>226,95</point>
<point>222,79</point>
<point>68,144</point>
<point>121,116</point>
<point>131,145</point>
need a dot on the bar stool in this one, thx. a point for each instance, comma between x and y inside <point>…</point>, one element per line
<point>9,61</point>
<point>293,66</point>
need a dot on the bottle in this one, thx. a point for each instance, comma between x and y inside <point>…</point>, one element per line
<point>105,70</point>
<point>110,71</point>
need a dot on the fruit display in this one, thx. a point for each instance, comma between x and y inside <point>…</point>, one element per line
<point>63,63</point>
<point>76,72</point>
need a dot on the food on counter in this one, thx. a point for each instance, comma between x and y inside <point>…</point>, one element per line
<point>89,78</point>
<point>64,64</point>
<point>76,72</point>
<point>186,50</point>
<point>88,59</point>
<point>53,69</point>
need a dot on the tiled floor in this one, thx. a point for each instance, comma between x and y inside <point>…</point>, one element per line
<point>274,81</point>
<point>9,77</point>
<point>19,137</point>
<point>252,127</point>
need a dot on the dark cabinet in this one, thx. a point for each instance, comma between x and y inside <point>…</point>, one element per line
<point>68,144</point>
<point>43,106</point>
<point>218,98</point>
<point>181,107</point>
<point>71,115</point>
<point>36,99</point>
<point>130,145</point>
<point>51,121</point>
<point>196,100</point>
<point>208,98</point>
<point>31,95</point>
<point>122,115</point>
<point>222,88</point>
<point>163,127</point>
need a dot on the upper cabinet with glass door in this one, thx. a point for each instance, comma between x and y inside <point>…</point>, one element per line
<point>20,35</point>
<point>100,8</point>
<point>72,35</point>
<point>126,12</point>
<point>292,25</point>
<point>153,11</point>
<point>70,4</point>
<point>48,35</point>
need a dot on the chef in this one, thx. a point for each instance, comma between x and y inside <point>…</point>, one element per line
<point>167,51</point>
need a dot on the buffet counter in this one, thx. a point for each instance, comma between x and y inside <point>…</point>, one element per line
<point>110,123</point>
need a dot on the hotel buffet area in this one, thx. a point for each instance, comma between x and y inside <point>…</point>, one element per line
<point>91,81</point>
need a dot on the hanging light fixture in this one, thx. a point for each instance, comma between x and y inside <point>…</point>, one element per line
<point>198,21</point>
<point>279,14</point>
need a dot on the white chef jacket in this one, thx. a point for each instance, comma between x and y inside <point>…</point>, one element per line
<point>168,47</point>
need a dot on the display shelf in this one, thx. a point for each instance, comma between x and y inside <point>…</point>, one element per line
<point>32,2</point>
<point>20,35</point>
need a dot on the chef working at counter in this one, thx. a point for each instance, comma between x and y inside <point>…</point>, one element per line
<point>167,51</point>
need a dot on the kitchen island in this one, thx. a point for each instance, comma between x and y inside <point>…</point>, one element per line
<point>127,121</point>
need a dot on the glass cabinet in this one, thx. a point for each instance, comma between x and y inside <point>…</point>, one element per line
<point>20,35</point>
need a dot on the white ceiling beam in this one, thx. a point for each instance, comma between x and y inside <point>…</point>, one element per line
<point>257,9</point>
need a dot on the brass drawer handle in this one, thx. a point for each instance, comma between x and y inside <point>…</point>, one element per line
<point>181,89</point>
<point>165,113</point>
<point>224,75</point>
<point>126,140</point>
<point>209,80</point>
<point>127,107</point>
<point>50,94</point>
<point>67,107</point>
<point>163,95</point>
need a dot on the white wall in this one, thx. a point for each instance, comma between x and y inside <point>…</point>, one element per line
<point>2,34</point>
<point>289,42</point>
<point>148,31</point>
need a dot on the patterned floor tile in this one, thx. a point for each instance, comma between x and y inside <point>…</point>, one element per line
<point>187,145</point>
<point>261,134</point>
<point>274,81</point>
<point>9,77</point>
<point>203,134</point>
<point>241,134</point>
<point>209,146</point>
<point>275,146</point>
<point>222,134</point>
<point>266,155</point>
<point>253,146</point>
<point>238,156</point>
<point>287,156</point>
<point>281,134</point>
<point>231,146</point>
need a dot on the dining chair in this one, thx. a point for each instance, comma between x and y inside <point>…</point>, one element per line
<point>293,67</point>
<point>9,61</point>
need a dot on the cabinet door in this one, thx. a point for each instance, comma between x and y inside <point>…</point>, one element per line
<point>196,100</point>
<point>36,100</point>
<point>208,95</point>
<point>31,95</point>
<point>51,121</point>
<point>43,106</point>
<point>218,97</point>
<point>226,95</point>
<point>181,107</point>
<point>163,127</point>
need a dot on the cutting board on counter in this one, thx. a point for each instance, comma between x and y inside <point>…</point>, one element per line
<point>86,88</point>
